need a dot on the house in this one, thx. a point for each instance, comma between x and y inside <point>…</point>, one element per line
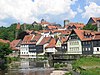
<point>15,46</point>
<point>51,47</point>
<point>42,45</point>
<point>27,46</point>
<point>80,42</point>
<point>71,26</point>
<point>96,43</point>
<point>61,44</point>
<point>95,21</point>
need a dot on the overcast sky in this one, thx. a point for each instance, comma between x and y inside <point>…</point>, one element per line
<point>55,11</point>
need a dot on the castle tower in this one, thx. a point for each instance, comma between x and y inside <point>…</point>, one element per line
<point>17,29</point>
<point>66,22</point>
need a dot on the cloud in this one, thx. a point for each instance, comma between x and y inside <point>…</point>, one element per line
<point>92,10</point>
<point>29,10</point>
<point>79,9</point>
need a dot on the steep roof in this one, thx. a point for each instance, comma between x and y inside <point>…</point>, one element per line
<point>4,41</point>
<point>97,36</point>
<point>52,43</point>
<point>95,19</point>
<point>14,44</point>
<point>81,34</point>
<point>77,25</point>
<point>27,39</point>
<point>36,38</point>
<point>45,40</point>
<point>52,27</point>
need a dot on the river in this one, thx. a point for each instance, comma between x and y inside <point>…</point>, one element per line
<point>28,67</point>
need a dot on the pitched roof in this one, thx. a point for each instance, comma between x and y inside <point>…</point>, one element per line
<point>52,27</point>
<point>52,43</point>
<point>81,34</point>
<point>95,19</point>
<point>36,38</point>
<point>4,41</point>
<point>63,39</point>
<point>77,25</point>
<point>44,40</point>
<point>14,44</point>
<point>97,36</point>
<point>27,39</point>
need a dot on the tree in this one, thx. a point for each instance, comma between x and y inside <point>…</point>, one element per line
<point>4,51</point>
<point>90,27</point>
<point>37,27</point>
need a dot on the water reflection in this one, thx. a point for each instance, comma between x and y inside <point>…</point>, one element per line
<point>28,67</point>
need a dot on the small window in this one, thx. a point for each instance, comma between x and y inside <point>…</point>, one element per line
<point>97,49</point>
<point>86,49</point>
<point>89,49</point>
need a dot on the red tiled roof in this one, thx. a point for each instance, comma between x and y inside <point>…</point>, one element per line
<point>29,31</point>
<point>18,26</point>
<point>52,43</point>
<point>77,25</point>
<point>97,36</point>
<point>45,40</point>
<point>14,43</point>
<point>4,41</point>
<point>63,39</point>
<point>81,34</point>
<point>52,27</point>
<point>36,37</point>
<point>27,39</point>
<point>95,18</point>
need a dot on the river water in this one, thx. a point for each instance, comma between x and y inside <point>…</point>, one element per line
<point>28,67</point>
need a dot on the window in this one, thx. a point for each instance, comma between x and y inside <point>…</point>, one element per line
<point>89,49</point>
<point>86,49</point>
<point>97,49</point>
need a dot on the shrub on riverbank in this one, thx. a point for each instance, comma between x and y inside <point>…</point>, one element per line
<point>59,65</point>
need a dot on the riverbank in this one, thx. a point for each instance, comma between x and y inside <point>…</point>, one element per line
<point>87,66</point>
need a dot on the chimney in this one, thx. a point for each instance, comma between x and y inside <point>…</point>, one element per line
<point>98,25</point>
<point>66,22</point>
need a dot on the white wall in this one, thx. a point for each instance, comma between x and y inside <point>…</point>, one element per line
<point>52,50</point>
<point>95,50</point>
<point>74,48</point>
<point>24,52</point>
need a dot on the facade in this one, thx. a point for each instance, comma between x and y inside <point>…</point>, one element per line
<point>15,46</point>
<point>96,43</point>
<point>74,44</point>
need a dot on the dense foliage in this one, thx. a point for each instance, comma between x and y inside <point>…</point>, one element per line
<point>9,33</point>
<point>90,27</point>
<point>4,51</point>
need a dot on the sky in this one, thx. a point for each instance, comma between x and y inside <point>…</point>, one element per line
<point>54,11</point>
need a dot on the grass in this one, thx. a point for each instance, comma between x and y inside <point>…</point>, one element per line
<point>94,71</point>
<point>87,66</point>
<point>87,61</point>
